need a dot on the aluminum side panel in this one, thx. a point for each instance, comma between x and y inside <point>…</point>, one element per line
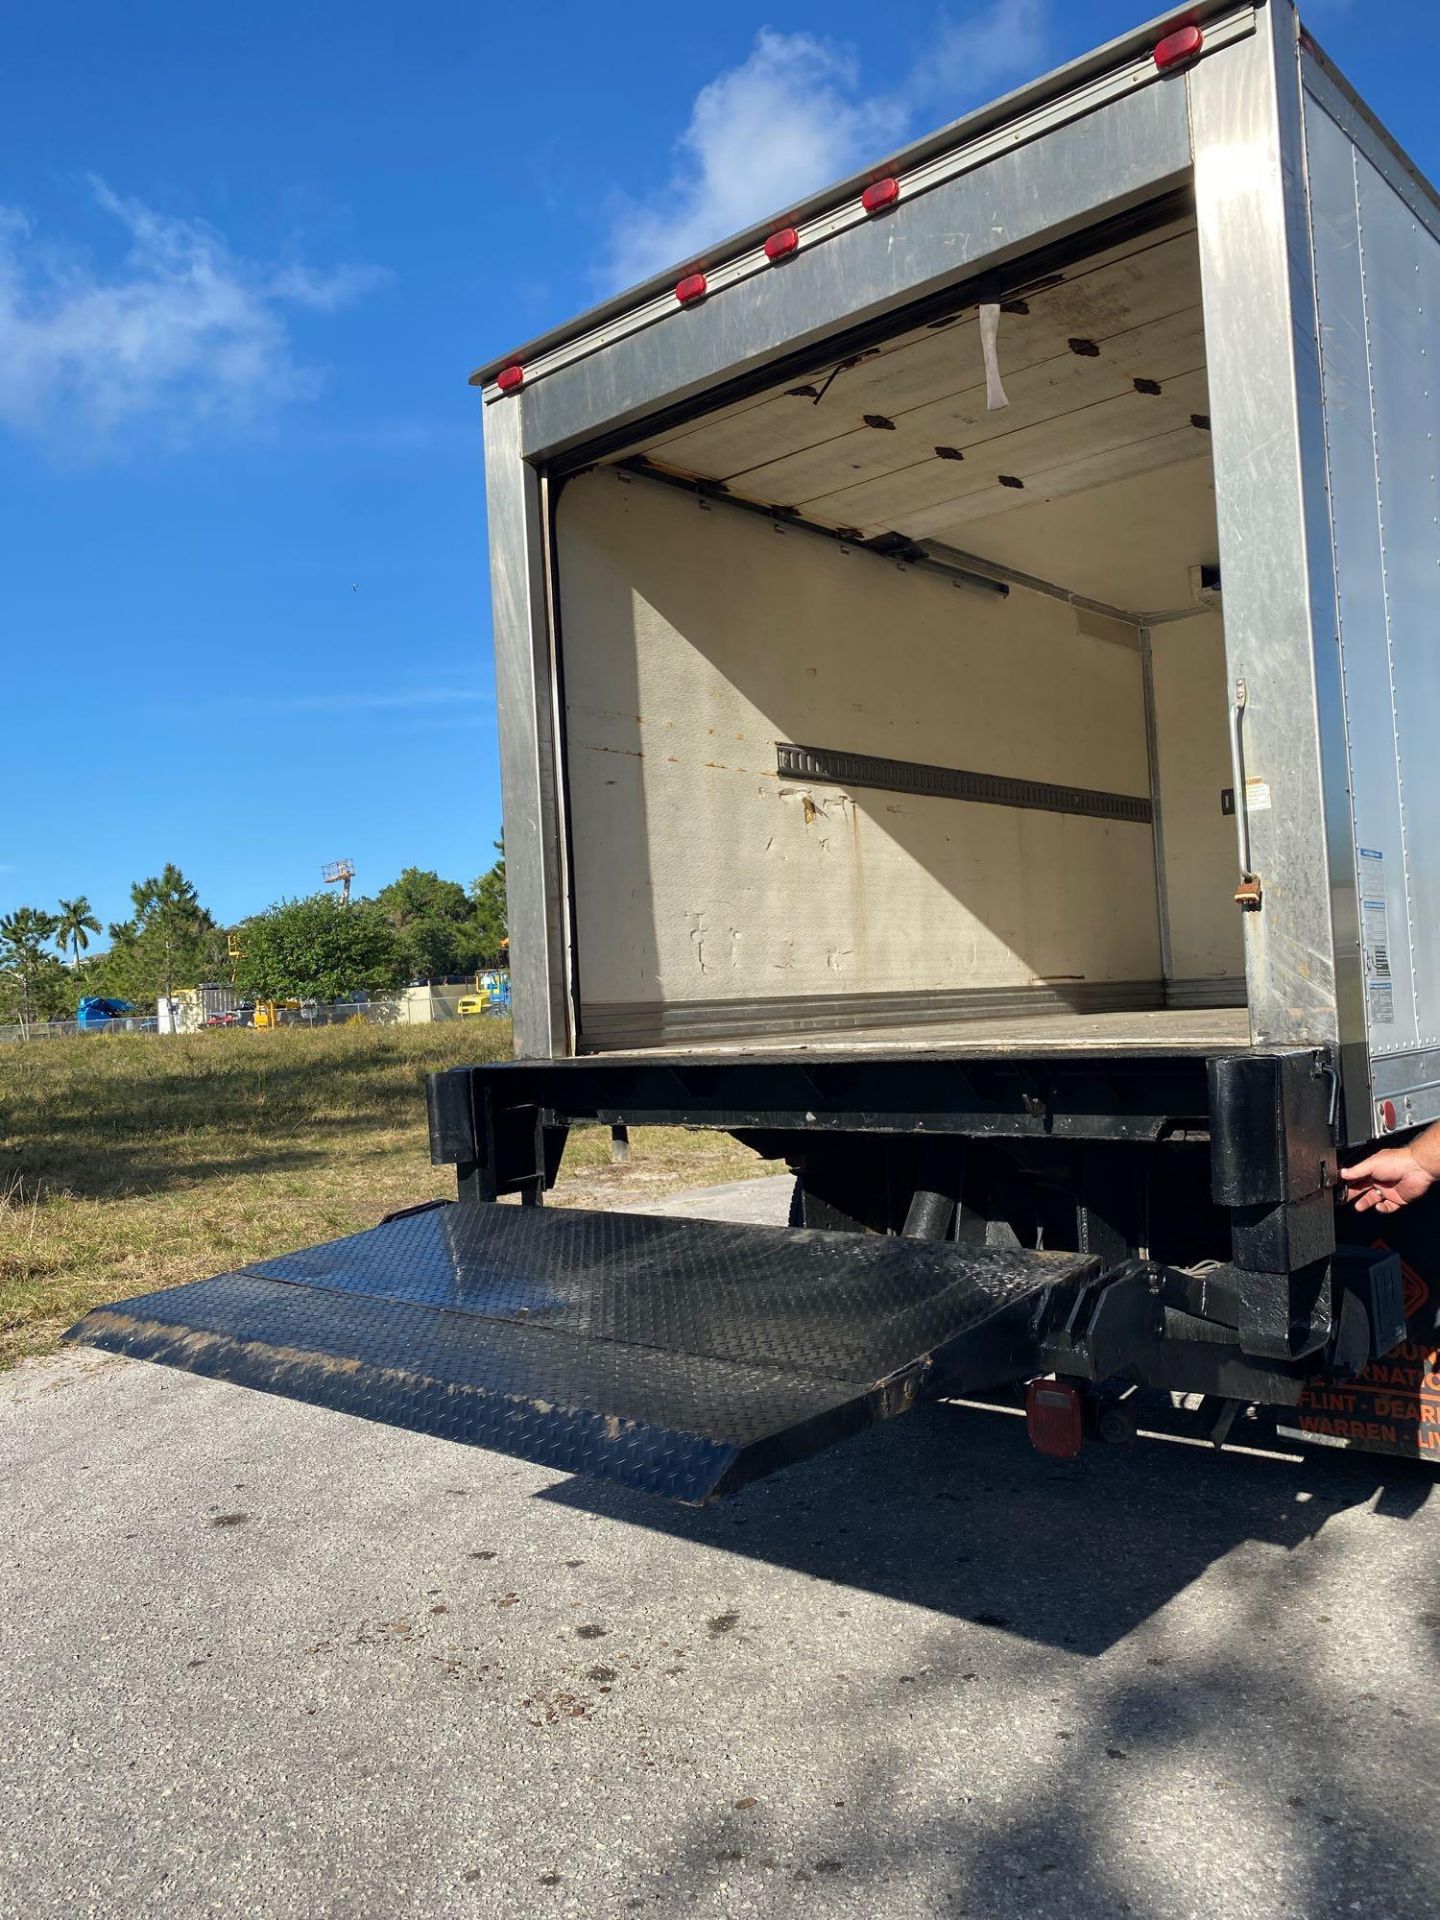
<point>1274,528</point>
<point>1378,284</point>
<point>530,783</point>
<point>1354,437</point>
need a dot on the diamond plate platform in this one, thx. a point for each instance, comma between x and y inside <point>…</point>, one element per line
<point>683,1357</point>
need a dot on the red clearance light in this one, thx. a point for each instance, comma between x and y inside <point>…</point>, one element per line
<point>781,243</point>
<point>1177,48</point>
<point>509,378</point>
<point>1054,1418</point>
<point>690,289</point>
<point>1388,1115</point>
<point>880,193</point>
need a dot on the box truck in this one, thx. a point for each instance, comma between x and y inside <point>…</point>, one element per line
<point>969,698</point>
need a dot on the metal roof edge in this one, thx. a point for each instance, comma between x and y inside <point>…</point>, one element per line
<point>956,134</point>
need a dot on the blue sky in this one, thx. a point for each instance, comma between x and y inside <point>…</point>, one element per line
<point>247,258</point>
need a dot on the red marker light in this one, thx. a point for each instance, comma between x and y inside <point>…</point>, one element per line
<point>1178,48</point>
<point>690,289</point>
<point>1388,1115</point>
<point>879,194</point>
<point>1055,1418</point>
<point>781,243</point>
<point>510,378</point>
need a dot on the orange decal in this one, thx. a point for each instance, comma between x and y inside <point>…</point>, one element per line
<point>1417,1290</point>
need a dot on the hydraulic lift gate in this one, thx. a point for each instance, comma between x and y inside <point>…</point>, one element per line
<point>681,1357</point>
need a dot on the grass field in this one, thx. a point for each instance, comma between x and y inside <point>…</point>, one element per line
<point>128,1163</point>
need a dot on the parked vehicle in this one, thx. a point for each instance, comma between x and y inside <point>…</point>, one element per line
<point>95,1014</point>
<point>995,602</point>
<point>491,995</point>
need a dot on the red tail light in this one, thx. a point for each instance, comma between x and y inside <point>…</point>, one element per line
<point>781,243</point>
<point>690,289</point>
<point>880,193</point>
<point>510,378</point>
<point>1177,48</point>
<point>1054,1418</point>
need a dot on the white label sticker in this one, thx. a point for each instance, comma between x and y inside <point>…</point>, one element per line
<point>1375,923</point>
<point>1257,795</point>
<point>1375,935</point>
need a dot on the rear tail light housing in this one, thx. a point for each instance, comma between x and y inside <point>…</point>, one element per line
<point>1178,49</point>
<point>1055,1418</point>
<point>880,194</point>
<point>690,289</point>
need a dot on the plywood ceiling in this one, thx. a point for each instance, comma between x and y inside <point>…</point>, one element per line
<point>1104,370</point>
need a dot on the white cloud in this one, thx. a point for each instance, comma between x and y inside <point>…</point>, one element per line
<point>979,56</point>
<point>794,115</point>
<point>179,332</point>
<point>776,127</point>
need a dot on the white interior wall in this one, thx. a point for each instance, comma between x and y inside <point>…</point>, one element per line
<point>695,638</point>
<point>1193,749</point>
<point>1132,543</point>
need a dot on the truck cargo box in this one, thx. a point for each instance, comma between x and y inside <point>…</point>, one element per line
<point>859,678</point>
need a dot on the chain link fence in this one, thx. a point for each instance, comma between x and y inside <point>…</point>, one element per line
<point>487,998</point>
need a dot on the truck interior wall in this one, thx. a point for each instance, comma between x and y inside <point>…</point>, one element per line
<point>1206,942</point>
<point>706,882</point>
<point>739,582</point>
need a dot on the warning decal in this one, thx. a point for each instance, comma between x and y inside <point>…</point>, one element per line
<point>1394,1406</point>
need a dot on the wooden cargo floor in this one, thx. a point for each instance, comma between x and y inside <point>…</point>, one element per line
<point>1171,1030</point>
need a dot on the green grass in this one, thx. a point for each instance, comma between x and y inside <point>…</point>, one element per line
<point>134,1162</point>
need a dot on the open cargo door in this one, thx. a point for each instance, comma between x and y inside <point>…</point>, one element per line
<point>681,1357</point>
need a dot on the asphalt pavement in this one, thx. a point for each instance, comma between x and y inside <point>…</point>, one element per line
<point>259,1659</point>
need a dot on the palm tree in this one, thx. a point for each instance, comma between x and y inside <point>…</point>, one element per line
<point>75,925</point>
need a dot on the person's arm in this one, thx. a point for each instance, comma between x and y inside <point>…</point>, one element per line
<point>1395,1176</point>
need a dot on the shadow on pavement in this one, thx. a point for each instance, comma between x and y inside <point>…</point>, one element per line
<point>1248,1756</point>
<point>951,1509</point>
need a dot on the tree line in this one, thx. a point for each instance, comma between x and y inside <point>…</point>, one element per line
<point>420,927</point>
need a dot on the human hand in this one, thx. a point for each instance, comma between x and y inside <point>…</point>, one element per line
<point>1387,1181</point>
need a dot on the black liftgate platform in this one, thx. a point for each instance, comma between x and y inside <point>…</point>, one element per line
<point>682,1357</point>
